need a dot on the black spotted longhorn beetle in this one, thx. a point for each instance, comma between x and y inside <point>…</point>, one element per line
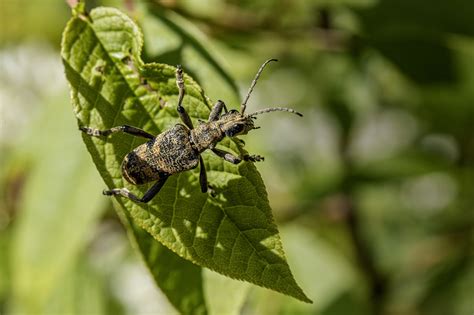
<point>179,148</point>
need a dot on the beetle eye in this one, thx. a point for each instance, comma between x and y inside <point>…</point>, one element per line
<point>233,111</point>
<point>237,128</point>
<point>234,130</point>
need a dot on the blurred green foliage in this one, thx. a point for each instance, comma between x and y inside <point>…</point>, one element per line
<point>374,191</point>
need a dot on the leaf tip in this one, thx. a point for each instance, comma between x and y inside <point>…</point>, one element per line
<point>306,299</point>
<point>78,8</point>
<point>300,295</point>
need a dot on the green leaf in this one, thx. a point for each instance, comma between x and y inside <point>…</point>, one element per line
<point>233,233</point>
<point>188,287</point>
<point>180,280</point>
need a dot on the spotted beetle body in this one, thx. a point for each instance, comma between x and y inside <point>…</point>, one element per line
<point>169,153</point>
<point>179,149</point>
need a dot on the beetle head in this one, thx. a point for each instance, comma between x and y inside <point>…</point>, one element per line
<point>234,124</point>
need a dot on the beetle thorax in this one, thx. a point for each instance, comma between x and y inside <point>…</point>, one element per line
<point>206,135</point>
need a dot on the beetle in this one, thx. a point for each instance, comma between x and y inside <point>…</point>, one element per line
<point>179,148</point>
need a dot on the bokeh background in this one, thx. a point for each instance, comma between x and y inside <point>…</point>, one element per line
<point>373,191</point>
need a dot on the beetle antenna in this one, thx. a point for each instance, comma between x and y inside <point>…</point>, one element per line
<point>244,104</point>
<point>276,109</point>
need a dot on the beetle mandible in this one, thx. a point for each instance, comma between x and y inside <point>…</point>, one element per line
<point>179,148</point>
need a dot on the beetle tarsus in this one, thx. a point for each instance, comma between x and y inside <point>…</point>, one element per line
<point>211,191</point>
<point>254,158</point>
<point>121,191</point>
<point>90,131</point>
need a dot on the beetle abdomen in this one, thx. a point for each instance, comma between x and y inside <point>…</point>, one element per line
<point>169,153</point>
<point>137,170</point>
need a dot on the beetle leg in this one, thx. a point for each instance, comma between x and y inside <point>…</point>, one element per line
<point>253,158</point>
<point>124,128</point>
<point>123,192</point>
<point>202,175</point>
<point>240,141</point>
<point>181,111</point>
<point>216,110</point>
<point>227,156</point>
<point>155,189</point>
<point>205,187</point>
<point>236,160</point>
